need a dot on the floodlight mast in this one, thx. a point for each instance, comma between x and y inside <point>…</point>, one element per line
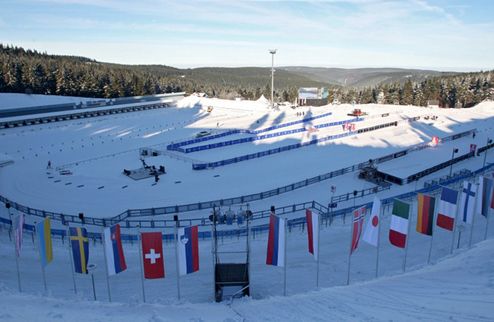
<point>272,52</point>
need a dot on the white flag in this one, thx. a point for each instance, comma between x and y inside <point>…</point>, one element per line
<point>17,226</point>
<point>371,233</point>
<point>468,201</point>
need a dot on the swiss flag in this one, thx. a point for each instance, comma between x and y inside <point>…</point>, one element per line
<point>152,255</point>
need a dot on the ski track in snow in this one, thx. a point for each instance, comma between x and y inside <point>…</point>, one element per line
<point>457,287</point>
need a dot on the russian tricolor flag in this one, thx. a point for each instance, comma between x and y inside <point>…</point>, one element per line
<point>115,260</point>
<point>188,250</point>
<point>276,242</point>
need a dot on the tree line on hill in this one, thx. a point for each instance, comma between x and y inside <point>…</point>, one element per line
<point>32,72</point>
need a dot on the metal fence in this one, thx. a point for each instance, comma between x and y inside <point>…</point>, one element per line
<point>326,214</point>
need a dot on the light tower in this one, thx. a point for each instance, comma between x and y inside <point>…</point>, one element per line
<point>272,52</point>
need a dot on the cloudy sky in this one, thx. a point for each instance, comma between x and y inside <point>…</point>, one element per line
<point>455,35</point>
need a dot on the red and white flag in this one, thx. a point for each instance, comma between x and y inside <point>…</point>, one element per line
<point>358,221</point>
<point>152,255</point>
<point>371,234</point>
<point>312,232</point>
<point>18,225</point>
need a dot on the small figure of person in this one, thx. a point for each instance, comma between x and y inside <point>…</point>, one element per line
<point>144,165</point>
<point>156,178</point>
<point>49,165</point>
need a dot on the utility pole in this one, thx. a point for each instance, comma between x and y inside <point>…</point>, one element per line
<point>272,52</point>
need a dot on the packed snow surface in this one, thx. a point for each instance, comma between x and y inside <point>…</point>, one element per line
<point>457,284</point>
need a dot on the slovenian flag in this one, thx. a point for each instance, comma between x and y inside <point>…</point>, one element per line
<point>188,250</point>
<point>313,232</point>
<point>276,242</point>
<point>398,230</point>
<point>115,260</point>
<point>446,210</point>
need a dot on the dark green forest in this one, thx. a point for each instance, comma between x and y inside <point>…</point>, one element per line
<point>32,72</point>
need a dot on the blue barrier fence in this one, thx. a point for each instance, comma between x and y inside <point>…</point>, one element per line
<point>176,146</point>
<point>325,212</point>
<point>132,213</point>
<point>260,137</point>
<point>208,165</point>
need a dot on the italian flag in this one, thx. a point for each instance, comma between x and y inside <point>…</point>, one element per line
<point>399,224</point>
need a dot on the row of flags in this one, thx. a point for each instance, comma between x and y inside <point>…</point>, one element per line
<point>152,251</point>
<point>187,249</point>
<point>475,198</point>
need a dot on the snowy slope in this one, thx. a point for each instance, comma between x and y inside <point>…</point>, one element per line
<point>453,287</point>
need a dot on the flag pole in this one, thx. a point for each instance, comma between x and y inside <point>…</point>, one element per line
<point>176,260</point>
<point>378,236</point>
<point>106,264</point>
<point>69,241</point>
<point>16,255</point>
<point>473,215</point>
<point>350,250</point>
<point>434,215</point>
<point>213,252</point>
<point>487,222</point>
<point>139,240</point>
<point>284,259</point>
<point>318,247</point>
<point>458,200</point>
<point>40,256</point>
<point>408,238</point>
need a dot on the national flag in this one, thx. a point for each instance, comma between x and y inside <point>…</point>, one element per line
<point>371,233</point>
<point>492,199</point>
<point>312,129</point>
<point>484,199</point>
<point>398,230</point>
<point>446,209</point>
<point>425,214</point>
<point>434,141</point>
<point>44,237</point>
<point>188,250</point>
<point>358,222</point>
<point>115,259</point>
<point>18,226</point>
<point>80,248</point>
<point>152,255</point>
<point>276,242</point>
<point>473,147</point>
<point>313,232</point>
<point>468,201</point>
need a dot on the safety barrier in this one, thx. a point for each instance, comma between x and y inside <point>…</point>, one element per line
<point>325,212</point>
<point>202,166</point>
<point>176,146</point>
<point>259,138</point>
<point>151,212</point>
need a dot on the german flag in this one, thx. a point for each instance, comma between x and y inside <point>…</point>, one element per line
<point>425,216</point>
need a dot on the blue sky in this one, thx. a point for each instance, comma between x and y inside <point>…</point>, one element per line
<point>430,34</point>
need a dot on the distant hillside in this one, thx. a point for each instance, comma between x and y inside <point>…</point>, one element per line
<point>364,77</point>
<point>32,72</point>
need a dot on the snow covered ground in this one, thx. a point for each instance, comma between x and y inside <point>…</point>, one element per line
<point>458,286</point>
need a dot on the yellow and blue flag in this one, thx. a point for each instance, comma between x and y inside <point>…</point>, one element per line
<point>80,248</point>
<point>44,237</point>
